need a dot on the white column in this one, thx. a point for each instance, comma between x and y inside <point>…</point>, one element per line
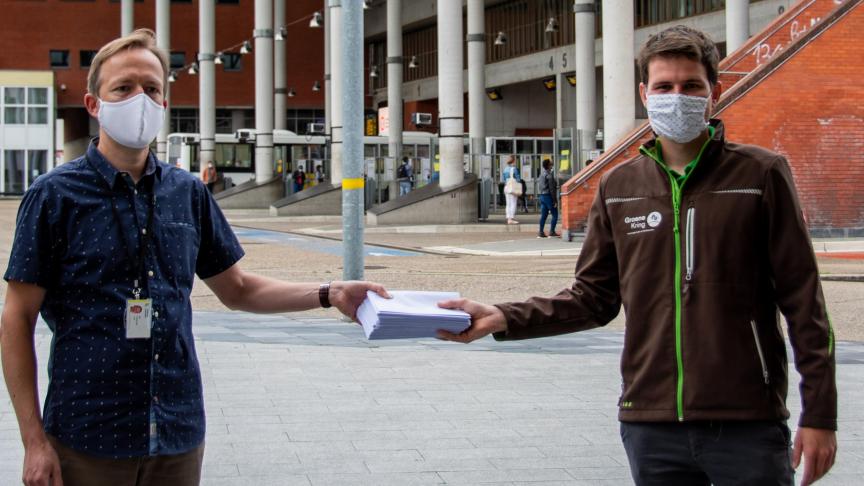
<point>127,16</point>
<point>619,77</point>
<point>394,78</point>
<point>737,24</point>
<point>207,80</point>
<point>328,112</point>
<point>450,108</point>
<point>476,75</point>
<point>163,41</point>
<point>279,76</point>
<point>263,90</point>
<point>351,60</point>
<point>336,95</point>
<point>586,80</point>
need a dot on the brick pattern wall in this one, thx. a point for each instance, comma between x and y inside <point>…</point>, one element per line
<point>810,110</point>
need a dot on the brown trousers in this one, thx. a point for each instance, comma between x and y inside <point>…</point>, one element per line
<point>79,469</point>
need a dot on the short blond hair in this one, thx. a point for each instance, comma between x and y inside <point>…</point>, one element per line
<point>140,39</point>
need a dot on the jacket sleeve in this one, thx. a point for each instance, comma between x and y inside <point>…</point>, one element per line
<point>799,297</point>
<point>592,301</point>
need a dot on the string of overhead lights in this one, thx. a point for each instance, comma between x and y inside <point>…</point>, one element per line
<point>316,20</point>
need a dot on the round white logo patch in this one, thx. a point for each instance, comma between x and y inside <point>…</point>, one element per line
<point>654,219</point>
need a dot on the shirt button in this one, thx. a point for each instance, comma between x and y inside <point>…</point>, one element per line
<point>143,231</point>
<point>155,399</point>
<point>150,273</point>
<point>156,314</point>
<point>156,357</point>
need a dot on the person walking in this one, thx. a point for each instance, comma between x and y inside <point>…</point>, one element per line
<point>548,189</point>
<point>405,176</point>
<point>298,178</point>
<point>210,177</point>
<point>703,241</point>
<point>512,189</point>
<point>319,174</point>
<point>107,248</point>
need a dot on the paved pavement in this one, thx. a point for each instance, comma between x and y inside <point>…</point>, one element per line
<point>309,401</point>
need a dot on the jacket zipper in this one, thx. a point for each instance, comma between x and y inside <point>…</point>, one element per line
<point>679,359</point>
<point>690,256</point>
<point>759,350</point>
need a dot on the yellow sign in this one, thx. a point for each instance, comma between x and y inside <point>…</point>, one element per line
<point>565,160</point>
<point>349,184</point>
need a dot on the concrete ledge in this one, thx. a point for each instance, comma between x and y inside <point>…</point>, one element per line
<point>251,195</point>
<point>430,205</point>
<point>320,200</point>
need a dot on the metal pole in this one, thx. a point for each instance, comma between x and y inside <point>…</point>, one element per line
<point>619,77</point>
<point>328,109</point>
<point>352,116</point>
<point>336,82</point>
<point>207,81</point>
<point>394,84</point>
<point>279,77</point>
<point>263,90</point>
<point>127,16</point>
<point>586,79</point>
<point>451,120</point>
<point>476,77</point>
<point>163,41</point>
<point>737,24</point>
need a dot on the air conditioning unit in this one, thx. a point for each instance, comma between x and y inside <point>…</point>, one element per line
<point>190,140</point>
<point>245,135</point>
<point>421,119</point>
<point>315,128</point>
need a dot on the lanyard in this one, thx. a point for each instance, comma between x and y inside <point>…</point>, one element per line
<point>144,235</point>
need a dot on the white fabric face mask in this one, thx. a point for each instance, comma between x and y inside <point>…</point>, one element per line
<point>678,117</point>
<point>133,122</point>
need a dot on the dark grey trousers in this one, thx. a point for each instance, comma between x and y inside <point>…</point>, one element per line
<point>705,453</point>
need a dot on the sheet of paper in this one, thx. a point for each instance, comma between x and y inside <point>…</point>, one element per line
<point>409,314</point>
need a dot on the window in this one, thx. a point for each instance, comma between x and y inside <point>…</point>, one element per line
<point>184,120</point>
<point>13,171</point>
<point>232,61</point>
<point>14,96</point>
<point>14,115</point>
<point>224,121</point>
<point>86,58</point>
<point>59,59</point>
<point>37,163</point>
<point>178,59</point>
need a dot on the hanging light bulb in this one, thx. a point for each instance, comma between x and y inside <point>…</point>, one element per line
<point>374,72</point>
<point>193,69</point>
<point>367,4</point>
<point>291,93</point>
<point>413,64</point>
<point>500,39</point>
<point>172,77</point>
<point>316,86</point>
<point>218,58</point>
<point>552,25</point>
<point>316,20</point>
<point>246,48</point>
<point>281,34</point>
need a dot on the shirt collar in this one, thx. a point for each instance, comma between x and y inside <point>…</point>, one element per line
<point>110,173</point>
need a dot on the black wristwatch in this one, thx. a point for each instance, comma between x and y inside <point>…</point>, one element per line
<point>324,295</point>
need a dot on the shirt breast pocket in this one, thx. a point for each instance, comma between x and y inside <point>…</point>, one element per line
<point>179,242</point>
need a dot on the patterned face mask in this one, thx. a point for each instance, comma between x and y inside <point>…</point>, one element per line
<point>678,117</point>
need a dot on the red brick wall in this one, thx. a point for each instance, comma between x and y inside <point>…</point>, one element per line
<point>28,30</point>
<point>810,110</point>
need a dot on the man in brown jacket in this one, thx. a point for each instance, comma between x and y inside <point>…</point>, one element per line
<point>702,240</point>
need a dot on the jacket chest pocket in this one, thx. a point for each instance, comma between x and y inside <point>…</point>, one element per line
<point>179,250</point>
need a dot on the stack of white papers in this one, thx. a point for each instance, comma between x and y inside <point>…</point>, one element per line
<point>409,314</point>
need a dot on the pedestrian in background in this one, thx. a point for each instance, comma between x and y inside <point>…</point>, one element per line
<point>107,248</point>
<point>405,176</point>
<point>210,176</point>
<point>298,178</point>
<point>512,189</point>
<point>548,189</point>
<point>703,241</point>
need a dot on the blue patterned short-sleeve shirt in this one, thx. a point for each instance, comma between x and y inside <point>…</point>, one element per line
<point>108,395</point>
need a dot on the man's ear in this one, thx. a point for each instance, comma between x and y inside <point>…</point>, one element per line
<point>643,94</point>
<point>91,103</point>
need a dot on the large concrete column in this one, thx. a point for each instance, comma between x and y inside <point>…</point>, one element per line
<point>351,60</point>
<point>127,16</point>
<point>395,66</point>
<point>328,109</point>
<point>450,120</point>
<point>263,90</point>
<point>279,76</point>
<point>163,41</point>
<point>586,80</point>
<point>476,76</point>
<point>207,80</point>
<point>336,80</point>
<point>737,24</point>
<point>619,77</point>
<point>394,78</point>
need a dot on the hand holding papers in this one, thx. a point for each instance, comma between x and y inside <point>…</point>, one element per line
<point>410,314</point>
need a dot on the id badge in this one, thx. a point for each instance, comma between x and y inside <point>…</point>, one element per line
<point>139,316</point>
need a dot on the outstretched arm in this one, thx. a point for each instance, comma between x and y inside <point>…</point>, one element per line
<point>249,292</point>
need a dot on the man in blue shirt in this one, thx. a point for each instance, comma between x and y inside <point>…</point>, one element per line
<point>107,247</point>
